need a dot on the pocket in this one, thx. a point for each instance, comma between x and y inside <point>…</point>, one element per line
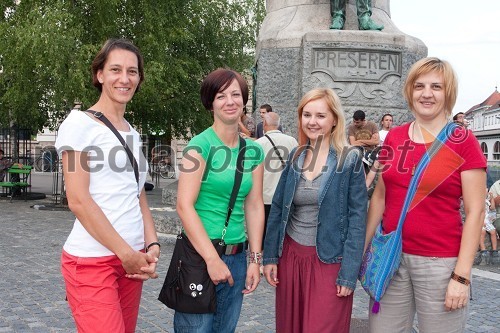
<point>194,280</point>
<point>187,287</point>
<point>448,263</point>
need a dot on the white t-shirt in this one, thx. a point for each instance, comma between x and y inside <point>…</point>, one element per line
<point>382,134</point>
<point>112,181</point>
<point>272,163</point>
<point>495,192</point>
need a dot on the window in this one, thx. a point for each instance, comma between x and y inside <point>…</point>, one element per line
<point>496,151</point>
<point>484,148</point>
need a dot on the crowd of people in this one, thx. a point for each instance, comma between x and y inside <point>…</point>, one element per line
<point>301,210</point>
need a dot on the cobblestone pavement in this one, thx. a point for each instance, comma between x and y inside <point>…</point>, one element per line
<point>32,290</point>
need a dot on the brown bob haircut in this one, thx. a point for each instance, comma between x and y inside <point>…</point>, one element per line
<point>442,67</point>
<point>102,56</point>
<point>217,81</point>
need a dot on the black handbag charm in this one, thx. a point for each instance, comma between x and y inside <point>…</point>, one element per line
<point>187,287</point>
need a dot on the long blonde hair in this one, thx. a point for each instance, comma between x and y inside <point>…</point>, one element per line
<point>338,136</point>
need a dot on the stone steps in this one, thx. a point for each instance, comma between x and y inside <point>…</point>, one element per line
<point>166,219</point>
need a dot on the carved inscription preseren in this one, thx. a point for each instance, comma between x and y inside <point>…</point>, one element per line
<point>360,65</point>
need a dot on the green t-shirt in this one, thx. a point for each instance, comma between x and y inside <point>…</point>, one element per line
<point>218,181</point>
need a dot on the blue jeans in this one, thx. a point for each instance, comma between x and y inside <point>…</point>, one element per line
<point>229,301</point>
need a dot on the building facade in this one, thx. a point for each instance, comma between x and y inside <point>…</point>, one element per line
<point>484,121</point>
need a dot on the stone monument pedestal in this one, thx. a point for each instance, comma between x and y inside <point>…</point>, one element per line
<point>296,52</point>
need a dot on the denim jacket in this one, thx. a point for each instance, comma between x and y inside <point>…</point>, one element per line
<point>342,201</point>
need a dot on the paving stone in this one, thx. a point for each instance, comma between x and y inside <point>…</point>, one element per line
<point>32,290</point>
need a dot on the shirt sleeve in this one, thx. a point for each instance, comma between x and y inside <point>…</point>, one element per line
<point>471,151</point>
<point>350,130</point>
<point>200,145</point>
<point>495,189</point>
<point>74,134</point>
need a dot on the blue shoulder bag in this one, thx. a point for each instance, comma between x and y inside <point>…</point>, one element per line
<point>382,257</point>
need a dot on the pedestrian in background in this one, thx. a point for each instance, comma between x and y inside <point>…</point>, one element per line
<point>113,246</point>
<point>277,146</point>
<point>438,251</point>
<point>5,164</point>
<point>314,239</point>
<point>205,184</point>
<point>263,110</point>
<point>459,118</point>
<point>495,194</point>
<point>486,256</point>
<point>246,125</point>
<point>385,127</point>
<point>364,134</point>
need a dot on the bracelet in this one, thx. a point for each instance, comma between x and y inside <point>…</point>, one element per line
<point>255,257</point>
<point>460,279</point>
<point>153,244</point>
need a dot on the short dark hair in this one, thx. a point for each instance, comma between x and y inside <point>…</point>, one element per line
<point>455,117</point>
<point>267,107</point>
<point>102,56</point>
<point>218,80</point>
<point>359,115</point>
<point>1,151</point>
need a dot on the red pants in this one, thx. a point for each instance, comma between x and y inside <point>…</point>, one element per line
<point>101,298</point>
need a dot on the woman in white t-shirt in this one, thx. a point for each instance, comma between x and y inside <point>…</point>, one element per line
<point>105,260</point>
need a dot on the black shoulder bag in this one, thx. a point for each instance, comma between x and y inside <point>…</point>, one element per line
<point>187,287</point>
<point>133,161</point>
<point>283,164</point>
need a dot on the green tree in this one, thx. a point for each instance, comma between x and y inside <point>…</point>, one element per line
<point>46,47</point>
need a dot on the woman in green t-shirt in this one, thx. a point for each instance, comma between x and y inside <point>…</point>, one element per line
<point>205,184</point>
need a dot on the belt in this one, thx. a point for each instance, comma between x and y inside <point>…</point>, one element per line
<point>235,248</point>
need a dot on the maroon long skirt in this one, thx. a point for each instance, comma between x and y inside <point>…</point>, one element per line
<point>306,296</point>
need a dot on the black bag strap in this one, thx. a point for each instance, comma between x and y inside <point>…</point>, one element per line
<point>276,150</point>
<point>237,183</point>
<point>133,161</point>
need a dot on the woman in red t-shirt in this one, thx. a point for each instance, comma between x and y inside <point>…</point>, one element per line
<point>438,250</point>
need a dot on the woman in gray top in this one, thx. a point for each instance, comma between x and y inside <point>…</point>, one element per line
<point>316,227</point>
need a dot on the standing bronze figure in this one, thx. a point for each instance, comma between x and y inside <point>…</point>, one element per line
<point>364,15</point>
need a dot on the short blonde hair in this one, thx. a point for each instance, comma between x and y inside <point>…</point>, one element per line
<point>442,67</point>
<point>338,136</point>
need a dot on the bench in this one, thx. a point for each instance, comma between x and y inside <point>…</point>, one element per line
<point>24,179</point>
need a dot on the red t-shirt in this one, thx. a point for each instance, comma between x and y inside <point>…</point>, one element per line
<point>433,225</point>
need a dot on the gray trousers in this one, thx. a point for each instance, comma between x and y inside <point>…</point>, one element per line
<point>419,286</point>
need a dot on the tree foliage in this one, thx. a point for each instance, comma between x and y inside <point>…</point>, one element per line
<point>46,47</point>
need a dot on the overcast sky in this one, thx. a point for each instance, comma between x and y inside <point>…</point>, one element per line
<point>468,36</point>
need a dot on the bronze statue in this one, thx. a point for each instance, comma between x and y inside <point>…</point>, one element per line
<point>364,15</point>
